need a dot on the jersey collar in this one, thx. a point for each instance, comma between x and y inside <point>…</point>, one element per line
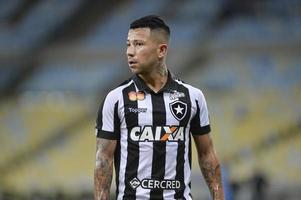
<point>170,85</point>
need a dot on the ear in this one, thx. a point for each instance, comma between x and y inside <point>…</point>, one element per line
<point>162,50</point>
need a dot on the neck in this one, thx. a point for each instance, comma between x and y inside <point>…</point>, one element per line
<point>156,79</point>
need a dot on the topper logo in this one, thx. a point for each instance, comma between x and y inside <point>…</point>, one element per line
<point>157,133</point>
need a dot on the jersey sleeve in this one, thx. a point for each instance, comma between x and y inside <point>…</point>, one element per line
<point>200,124</point>
<point>107,122</point>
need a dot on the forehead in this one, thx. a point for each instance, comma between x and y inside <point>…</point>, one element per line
<point>139,34</point>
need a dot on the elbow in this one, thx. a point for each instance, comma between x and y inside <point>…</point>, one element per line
<point>208,157</point>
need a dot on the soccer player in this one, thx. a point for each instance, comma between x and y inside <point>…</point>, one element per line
<point>145,125</point>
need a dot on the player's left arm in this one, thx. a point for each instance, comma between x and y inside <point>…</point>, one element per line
<point>209,165</point>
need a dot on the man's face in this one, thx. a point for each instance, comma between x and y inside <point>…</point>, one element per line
<point>142,51</point>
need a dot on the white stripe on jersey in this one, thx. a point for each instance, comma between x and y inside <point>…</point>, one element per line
<point>145,148</point>
<point>123,145</point>
<point>108,111</point>
<point>187,170</point>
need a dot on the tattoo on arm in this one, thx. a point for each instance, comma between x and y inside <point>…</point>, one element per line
<point>210,166</point>
<point>212,175</point>
<point>103,171</point>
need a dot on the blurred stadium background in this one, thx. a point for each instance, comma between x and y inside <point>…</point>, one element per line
<point>59,58</point>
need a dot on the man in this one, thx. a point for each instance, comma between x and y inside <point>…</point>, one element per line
<point>146,124</point>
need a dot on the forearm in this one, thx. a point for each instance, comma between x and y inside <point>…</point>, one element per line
<point>211,170</point>
<point>102,177</point>
<point>103,168</point>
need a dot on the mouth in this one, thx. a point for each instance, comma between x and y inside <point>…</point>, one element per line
<point>131,62</point>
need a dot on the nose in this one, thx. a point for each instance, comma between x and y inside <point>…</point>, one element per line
<point>130,51</point>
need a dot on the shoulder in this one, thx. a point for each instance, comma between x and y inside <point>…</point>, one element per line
<point>114,95</point>
<point>116,92</point>
<point>193,91</point>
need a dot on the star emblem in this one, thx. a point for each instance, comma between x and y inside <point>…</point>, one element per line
<point>179,109</point>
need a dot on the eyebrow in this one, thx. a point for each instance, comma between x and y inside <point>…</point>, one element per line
<point>134,40</point>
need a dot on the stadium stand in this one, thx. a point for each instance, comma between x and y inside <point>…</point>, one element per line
<point>67,77</point>
<point>34,28</point>
<point>57,167</point>
<point>7,8</point>
<point>250,97</point>
<point>112,36</point>
<point>245,57</point>
<point>33,120</point>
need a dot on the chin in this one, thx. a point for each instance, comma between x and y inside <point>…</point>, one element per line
<point>135,68</point>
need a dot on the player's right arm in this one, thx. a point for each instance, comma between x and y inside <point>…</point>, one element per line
<point>103,168</point>
<point>107,135</point>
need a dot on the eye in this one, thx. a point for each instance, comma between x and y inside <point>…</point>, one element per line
<point>138,43</point>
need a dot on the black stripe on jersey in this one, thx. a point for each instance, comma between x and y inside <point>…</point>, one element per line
<point>181,144</point>
<point>159,147</point>
<point>117,150</point>
<point>116,121</point>
<point>195,126</point>
<point>190,160</point>
<point>99,122</point>
<point>132,162</point>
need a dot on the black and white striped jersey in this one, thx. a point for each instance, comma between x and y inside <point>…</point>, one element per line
<point>153,155</point>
